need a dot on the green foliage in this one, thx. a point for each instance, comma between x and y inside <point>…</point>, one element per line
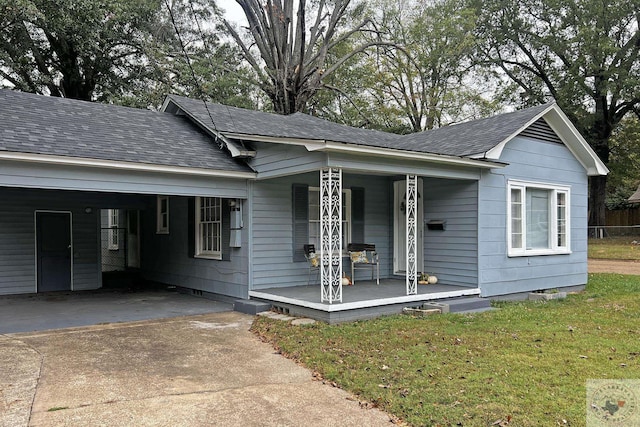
<point>624,163</point>
<point>74,48</point>
<point>526,363</point>
<point>421,77</point>
<point>585,55</point>
<point>122,51</point>
<point>188,56</point>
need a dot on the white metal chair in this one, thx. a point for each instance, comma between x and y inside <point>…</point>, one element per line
<point>313,260</point>
<point>364,257</point>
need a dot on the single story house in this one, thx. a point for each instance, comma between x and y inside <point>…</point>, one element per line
<point>220,201</point>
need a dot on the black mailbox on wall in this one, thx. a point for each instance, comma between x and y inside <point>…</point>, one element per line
<point>437,224</point>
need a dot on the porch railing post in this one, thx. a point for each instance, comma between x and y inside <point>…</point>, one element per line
<point>412,234</point>
<point>331,234</point>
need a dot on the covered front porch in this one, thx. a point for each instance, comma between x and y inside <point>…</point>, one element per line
<point>364,300</point>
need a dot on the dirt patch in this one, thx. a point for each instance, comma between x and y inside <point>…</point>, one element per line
<point>614,266</point>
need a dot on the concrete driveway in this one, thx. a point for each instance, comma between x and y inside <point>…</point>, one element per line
<point>199,370</point>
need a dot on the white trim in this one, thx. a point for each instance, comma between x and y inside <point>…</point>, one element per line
<point>496,151</point>
<point>114,164</point>
<point>572,139</point>
<point>399,192</point>
<point>366,303</point>
<point>35,235</point>
<point>346,199</point>
<point>160,229</point>
<point>410,155</point>
<point>411,233</point>
<point>322,145</point>
<point>113,229</point>
<point>230,145</point>
<point>198,251</point>
<point>553,249</point>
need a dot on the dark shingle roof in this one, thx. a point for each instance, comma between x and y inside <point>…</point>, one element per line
<point>56,126</point>
<point>462,140</point>
<point>250,122</point>
<point>473,137</point>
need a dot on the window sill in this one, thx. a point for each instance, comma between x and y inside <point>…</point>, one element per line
<point>541,252</point>
<point>162,232</point>
<point>217,257</point>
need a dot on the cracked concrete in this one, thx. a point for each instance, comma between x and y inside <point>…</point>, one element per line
<point>188,371</point>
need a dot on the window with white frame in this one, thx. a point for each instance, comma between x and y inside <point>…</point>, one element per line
<point>209,227</point>
<point>314,217</point>
<point>538,219</point>
<point>162,215</point>
<point>114,232</point>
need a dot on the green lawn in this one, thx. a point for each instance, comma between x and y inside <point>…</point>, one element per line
<point>620,248</point>
<point>527,362</point>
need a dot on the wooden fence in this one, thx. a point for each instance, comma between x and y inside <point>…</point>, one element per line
<point>623,217</point>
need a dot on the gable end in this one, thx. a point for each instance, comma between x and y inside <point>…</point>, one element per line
<point>541,130</point>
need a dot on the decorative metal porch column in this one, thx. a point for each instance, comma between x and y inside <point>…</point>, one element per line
<point>331,234</point>
<point>412,235</point>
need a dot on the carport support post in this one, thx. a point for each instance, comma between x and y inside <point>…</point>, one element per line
<point>412,234</point>
<point>331,234</point>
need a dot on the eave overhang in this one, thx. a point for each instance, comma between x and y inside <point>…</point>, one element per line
<point>313,145</point>
<point>572,139</point>
<point>120,165</point>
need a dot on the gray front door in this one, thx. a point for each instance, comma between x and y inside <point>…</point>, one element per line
<point>53,251</point>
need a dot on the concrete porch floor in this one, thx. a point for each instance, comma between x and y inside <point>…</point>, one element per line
<point>363,300</point>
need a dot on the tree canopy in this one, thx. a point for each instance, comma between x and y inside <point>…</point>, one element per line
<point>80,49</point>
<point>585,55</point>
<point>294,43</point>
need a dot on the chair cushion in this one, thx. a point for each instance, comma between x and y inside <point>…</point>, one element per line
<point>314,260</point>
<point>359,257</point>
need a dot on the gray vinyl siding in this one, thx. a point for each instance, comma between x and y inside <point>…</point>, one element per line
<point>165,257</point>
<point>17,238</point>
<point>67,177</point>
<point>452,254</point>
<point>272,251</point>
<point>535,161</point>
<point>394,166</point>
<point>274,160</point>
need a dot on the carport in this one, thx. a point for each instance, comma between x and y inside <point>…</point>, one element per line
<point>55,310</point>
<point>82,182</point>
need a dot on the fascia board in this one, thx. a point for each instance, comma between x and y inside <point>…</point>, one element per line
<point>574,141</point>
<point>329,146</point>
<point>569,135</point>
<point>130,166</point>
<point>410,155</point>
<point>496,151</point>
<point>232,147</point>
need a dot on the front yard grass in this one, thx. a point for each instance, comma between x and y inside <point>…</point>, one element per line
<point>616,248</point>
<point>525,364</point>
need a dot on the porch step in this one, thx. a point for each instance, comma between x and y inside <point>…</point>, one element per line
<point>462,305</point>
<point>250,306</point>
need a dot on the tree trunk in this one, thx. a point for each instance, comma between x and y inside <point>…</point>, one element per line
<point>598,135</point>
<point>597,208</point>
